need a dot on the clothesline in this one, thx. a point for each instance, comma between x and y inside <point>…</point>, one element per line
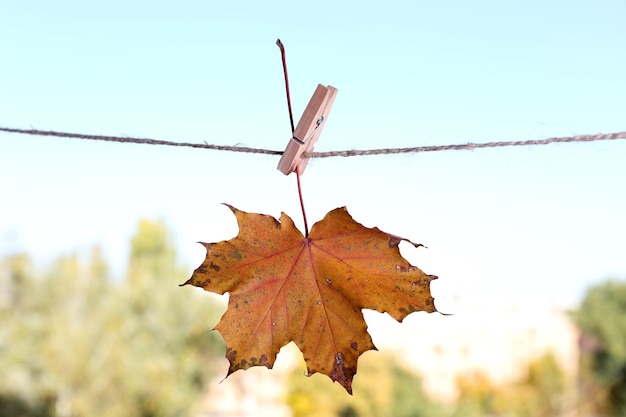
<point>344,153</point>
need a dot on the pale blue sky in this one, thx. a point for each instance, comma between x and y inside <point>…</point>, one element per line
<point>530,222</point>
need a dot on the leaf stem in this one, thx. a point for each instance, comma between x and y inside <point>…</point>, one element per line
<point>306,225</point>
<point>282,53</point>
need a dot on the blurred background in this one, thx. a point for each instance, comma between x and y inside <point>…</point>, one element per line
<point>528,242</point>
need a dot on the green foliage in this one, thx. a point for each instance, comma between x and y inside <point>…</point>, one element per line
<point>602,319</point>
<point>541,393</point>
<point>382,388</point>
<point>75,342</point>
<point>476,395</point>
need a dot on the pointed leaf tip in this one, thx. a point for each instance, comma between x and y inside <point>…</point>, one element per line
<point>341,373</point>
<point>232,208</point>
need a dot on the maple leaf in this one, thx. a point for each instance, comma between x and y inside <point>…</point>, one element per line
<point>310,290</point>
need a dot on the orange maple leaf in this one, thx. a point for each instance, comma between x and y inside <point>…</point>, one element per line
<point>310,290</point>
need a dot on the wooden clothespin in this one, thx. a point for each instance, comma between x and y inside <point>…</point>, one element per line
<point>308,130</point>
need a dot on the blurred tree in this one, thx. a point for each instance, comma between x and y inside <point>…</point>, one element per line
<point>602,319</point>
<point>476,395</point>
<point>14,279</point>
<point>382,387</point>
<point>74,342</point>
<point>169,341</point>
<point>541,393</point>
<point>408,396</point>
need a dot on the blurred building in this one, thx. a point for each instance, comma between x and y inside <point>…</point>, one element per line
<point>255,392</point>
<point>493,337</point>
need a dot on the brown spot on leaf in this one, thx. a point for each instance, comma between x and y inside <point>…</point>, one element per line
<point>341,373</point>
<point>214,267</point>
<point>263,361</point>
<point>354,346</point>
<point>395,241</point>
<point>409,268</point>
<point>231,355</point>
